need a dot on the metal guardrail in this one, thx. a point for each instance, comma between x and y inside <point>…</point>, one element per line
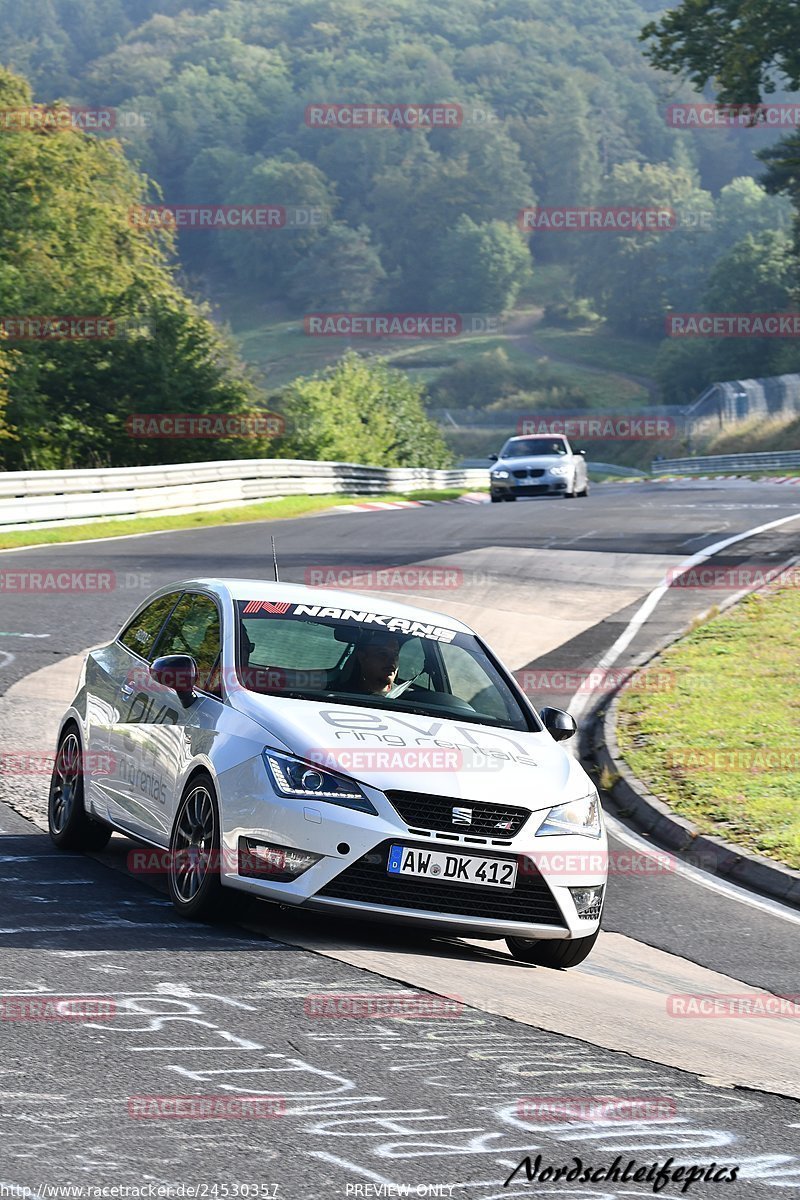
<point>721,463</point>
<point>31,498</point>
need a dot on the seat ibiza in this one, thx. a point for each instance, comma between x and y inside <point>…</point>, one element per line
<point>334,751</point>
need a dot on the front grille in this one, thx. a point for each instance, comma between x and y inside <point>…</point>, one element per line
<point>535,489</point>
<point>368,882</point>
<point>436,812</point>
<point>529,473</point>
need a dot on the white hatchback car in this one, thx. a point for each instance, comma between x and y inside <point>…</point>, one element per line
<point>335,751</point>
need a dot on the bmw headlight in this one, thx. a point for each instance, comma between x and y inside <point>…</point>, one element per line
<point>499,474</point>
<point>560,470</point>
<point>305,781</point>
<point>577,816</point>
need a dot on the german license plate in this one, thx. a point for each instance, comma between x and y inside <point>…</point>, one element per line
<point>457,868</point>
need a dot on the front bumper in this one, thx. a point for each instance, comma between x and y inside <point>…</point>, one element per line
<point>546,485</point>
<point>351,872</point>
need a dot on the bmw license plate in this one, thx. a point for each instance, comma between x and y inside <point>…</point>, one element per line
<point>458,868</point>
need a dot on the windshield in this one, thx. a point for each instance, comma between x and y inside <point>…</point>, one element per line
<point>370,659</point>
<point>524,447</point>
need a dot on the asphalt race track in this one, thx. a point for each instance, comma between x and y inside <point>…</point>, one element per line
<point>383,1103</point>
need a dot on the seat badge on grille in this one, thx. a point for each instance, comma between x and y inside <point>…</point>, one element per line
<point>505,825</point>
<point>462,816</point>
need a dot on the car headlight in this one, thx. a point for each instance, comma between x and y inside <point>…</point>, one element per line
<point>560,470</point>
<point>499,474</point>
<point>577,816</point>
<point>303,780</point>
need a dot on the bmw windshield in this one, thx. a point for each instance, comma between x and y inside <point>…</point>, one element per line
<point>533,447</point>
<point>370,659</point>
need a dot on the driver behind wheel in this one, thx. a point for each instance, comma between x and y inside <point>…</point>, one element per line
<point>374,663</point>
<point>371,669</point>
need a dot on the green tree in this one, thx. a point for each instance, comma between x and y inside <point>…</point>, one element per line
<point>415,204</point>
<point>683,369</point>
<point>744,208</point>
<point>70,245</point>
<point>745,50</point>
<point>363,412</point>
<point>756,276</point>
<point>481,268</point>
<point>342,271</point>
<point>783,177</point>
<point>633,277</point>
<point>739,45</point>
<point>265,257</point>
<point>6,368</point>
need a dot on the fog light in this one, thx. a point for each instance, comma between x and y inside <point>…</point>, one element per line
<point>281,864</point>
<point>588,901</point>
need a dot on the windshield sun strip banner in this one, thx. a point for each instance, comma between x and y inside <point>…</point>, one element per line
<point>351,616</point>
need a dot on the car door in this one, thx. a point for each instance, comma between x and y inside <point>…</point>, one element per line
<point>114,676</point>
<point>156,734</point>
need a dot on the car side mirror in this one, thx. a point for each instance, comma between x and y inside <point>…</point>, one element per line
<point>581,452</point>
<point>176,671</point>
<point>492,458</point>
<point>559,724</point>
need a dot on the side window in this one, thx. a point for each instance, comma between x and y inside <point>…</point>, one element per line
<point>143,630</point>
<point>194,629</point>
<point>411,659</point>
<point>469,681</point>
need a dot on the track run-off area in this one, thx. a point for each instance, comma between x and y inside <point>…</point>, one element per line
<point>556,588</point>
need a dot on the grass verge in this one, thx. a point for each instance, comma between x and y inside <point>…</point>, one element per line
<point>720,743</point>
<point>281,350</point>
<point>263,510</point>
<point>597,347</point>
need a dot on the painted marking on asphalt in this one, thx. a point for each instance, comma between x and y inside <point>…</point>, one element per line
<point>646,609</point>
<point>724,887</point>
<point>364,1172</point>
<point>27,635</point>
<point>698,537</point>
<point>44,882</point>
<point>55,856</point>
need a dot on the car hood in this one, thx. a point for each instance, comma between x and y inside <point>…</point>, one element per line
<point>409,752</point>
<point>533,460</point>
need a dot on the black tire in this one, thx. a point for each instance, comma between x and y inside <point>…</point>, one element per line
<point>495,499</point>
<point>560,954</point>
<point>193,872</point>
<point>510,498</point>
<point>70,826</point>
<point>585,491</point>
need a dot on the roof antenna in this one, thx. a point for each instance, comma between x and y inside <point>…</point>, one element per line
<point>275,560</point>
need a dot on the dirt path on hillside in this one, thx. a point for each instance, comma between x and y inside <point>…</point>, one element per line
<point>521,330</point>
